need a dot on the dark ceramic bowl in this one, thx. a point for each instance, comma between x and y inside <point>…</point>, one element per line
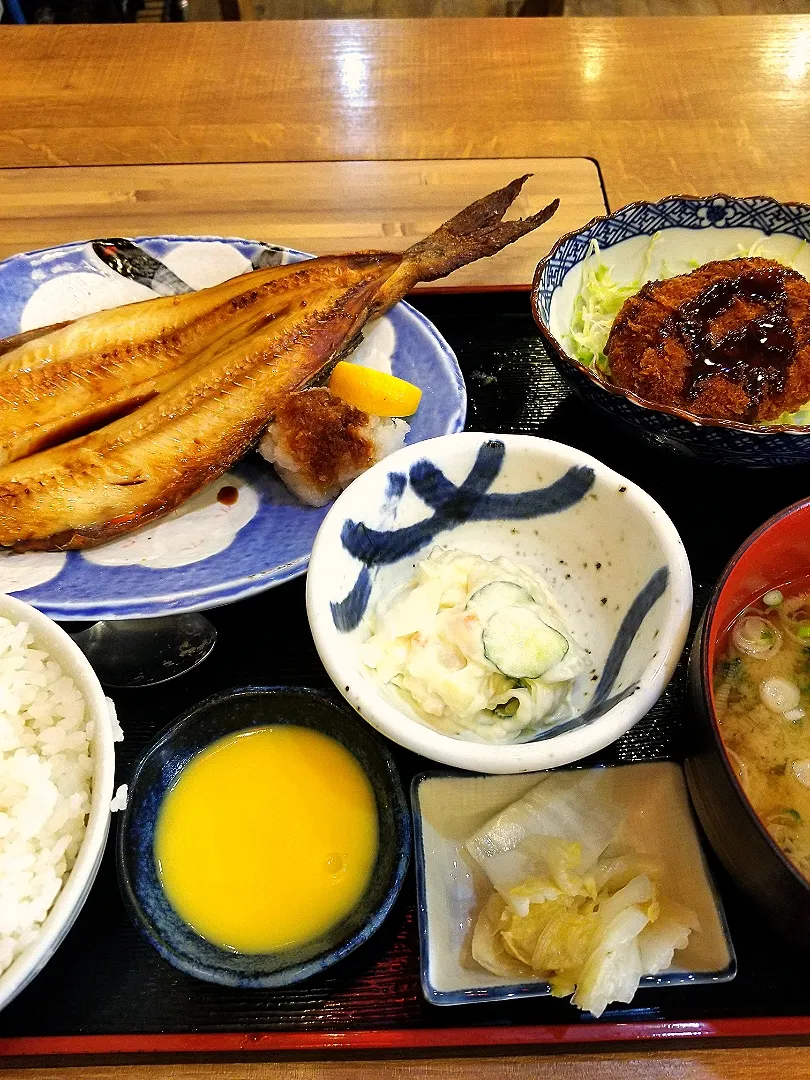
<point>779,552</point>
<point>236,710</point>
<point>687,229</point>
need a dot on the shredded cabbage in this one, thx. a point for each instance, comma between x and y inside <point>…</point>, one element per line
<point>800,418</point>
<point>589,920</point>
<point>599,301</point>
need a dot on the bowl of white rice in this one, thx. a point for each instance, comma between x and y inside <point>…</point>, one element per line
<point>56,783</point>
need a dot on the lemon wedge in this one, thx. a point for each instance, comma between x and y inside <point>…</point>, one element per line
<point>374,392</point>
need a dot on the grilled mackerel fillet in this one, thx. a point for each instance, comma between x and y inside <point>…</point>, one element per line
<point>111,421</point>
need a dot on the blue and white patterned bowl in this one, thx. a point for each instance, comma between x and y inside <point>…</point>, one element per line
<point>238,710</point>
<point>688,230</point>
<point>607,551</point>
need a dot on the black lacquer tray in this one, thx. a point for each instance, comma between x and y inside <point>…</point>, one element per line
<point>107,991</point>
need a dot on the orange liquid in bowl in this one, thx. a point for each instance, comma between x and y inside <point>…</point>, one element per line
<point>267,839</point>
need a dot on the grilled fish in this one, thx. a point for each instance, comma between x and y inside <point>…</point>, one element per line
<point>88,372</point>
<point>113,420</point>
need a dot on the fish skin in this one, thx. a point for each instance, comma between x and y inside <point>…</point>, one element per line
<point>200,393</point>
<point>74,377</point>
<point>268,255</point>
<point>141,466</point>
<point>8,344</point>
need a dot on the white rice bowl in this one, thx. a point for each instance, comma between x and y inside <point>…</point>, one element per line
<point>56,772</point>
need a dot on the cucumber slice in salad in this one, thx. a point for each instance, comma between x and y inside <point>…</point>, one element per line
<point>498,594</point>
<point>520,644</point>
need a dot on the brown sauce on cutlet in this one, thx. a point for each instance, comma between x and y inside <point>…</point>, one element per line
<point>755,353</point>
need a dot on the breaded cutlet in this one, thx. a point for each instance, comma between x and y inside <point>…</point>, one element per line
<point>649,359</point>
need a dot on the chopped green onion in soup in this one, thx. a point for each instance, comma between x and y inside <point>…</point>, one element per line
<point>762,700</point>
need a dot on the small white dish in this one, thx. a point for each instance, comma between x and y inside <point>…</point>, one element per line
<point>76,887</point>
<point>607,551</point>
<point>451,887</point>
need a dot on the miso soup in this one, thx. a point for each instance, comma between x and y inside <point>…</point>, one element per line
<point>762,703</point>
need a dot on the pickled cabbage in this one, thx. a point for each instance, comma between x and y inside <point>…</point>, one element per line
<point>568,905</point>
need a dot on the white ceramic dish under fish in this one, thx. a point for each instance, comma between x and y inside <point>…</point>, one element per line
<point>451,887</point>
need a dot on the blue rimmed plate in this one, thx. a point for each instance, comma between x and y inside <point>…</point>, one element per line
<point>209,552</point>
<point>451,888</point>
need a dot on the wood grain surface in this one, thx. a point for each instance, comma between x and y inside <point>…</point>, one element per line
<point>750,1064</point>
<point>385,205</point>
<point>665,105</point>
<point>685,7</point>
<point>208,10</point>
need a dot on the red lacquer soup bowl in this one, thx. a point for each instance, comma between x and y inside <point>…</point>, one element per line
<point>777,555</point>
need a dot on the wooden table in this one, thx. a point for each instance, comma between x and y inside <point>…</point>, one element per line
<point>381,204</point>
<point>750,1064</point>
<point>663,105</point>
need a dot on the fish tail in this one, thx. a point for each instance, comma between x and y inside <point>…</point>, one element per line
<point>476,232</point>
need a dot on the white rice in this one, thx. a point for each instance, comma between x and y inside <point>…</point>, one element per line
<point>119,800</point>
<point>45,780</point>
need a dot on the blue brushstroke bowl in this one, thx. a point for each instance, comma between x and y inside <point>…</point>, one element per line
<point>607,551</point>
<point>237,710</point>
<point>688,230</point>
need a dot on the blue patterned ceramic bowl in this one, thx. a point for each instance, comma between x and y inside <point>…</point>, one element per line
<point>607,551</point>
<point>237,710</point>
<point>688,231</point>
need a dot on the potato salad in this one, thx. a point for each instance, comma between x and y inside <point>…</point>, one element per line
<point>477,647</point>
